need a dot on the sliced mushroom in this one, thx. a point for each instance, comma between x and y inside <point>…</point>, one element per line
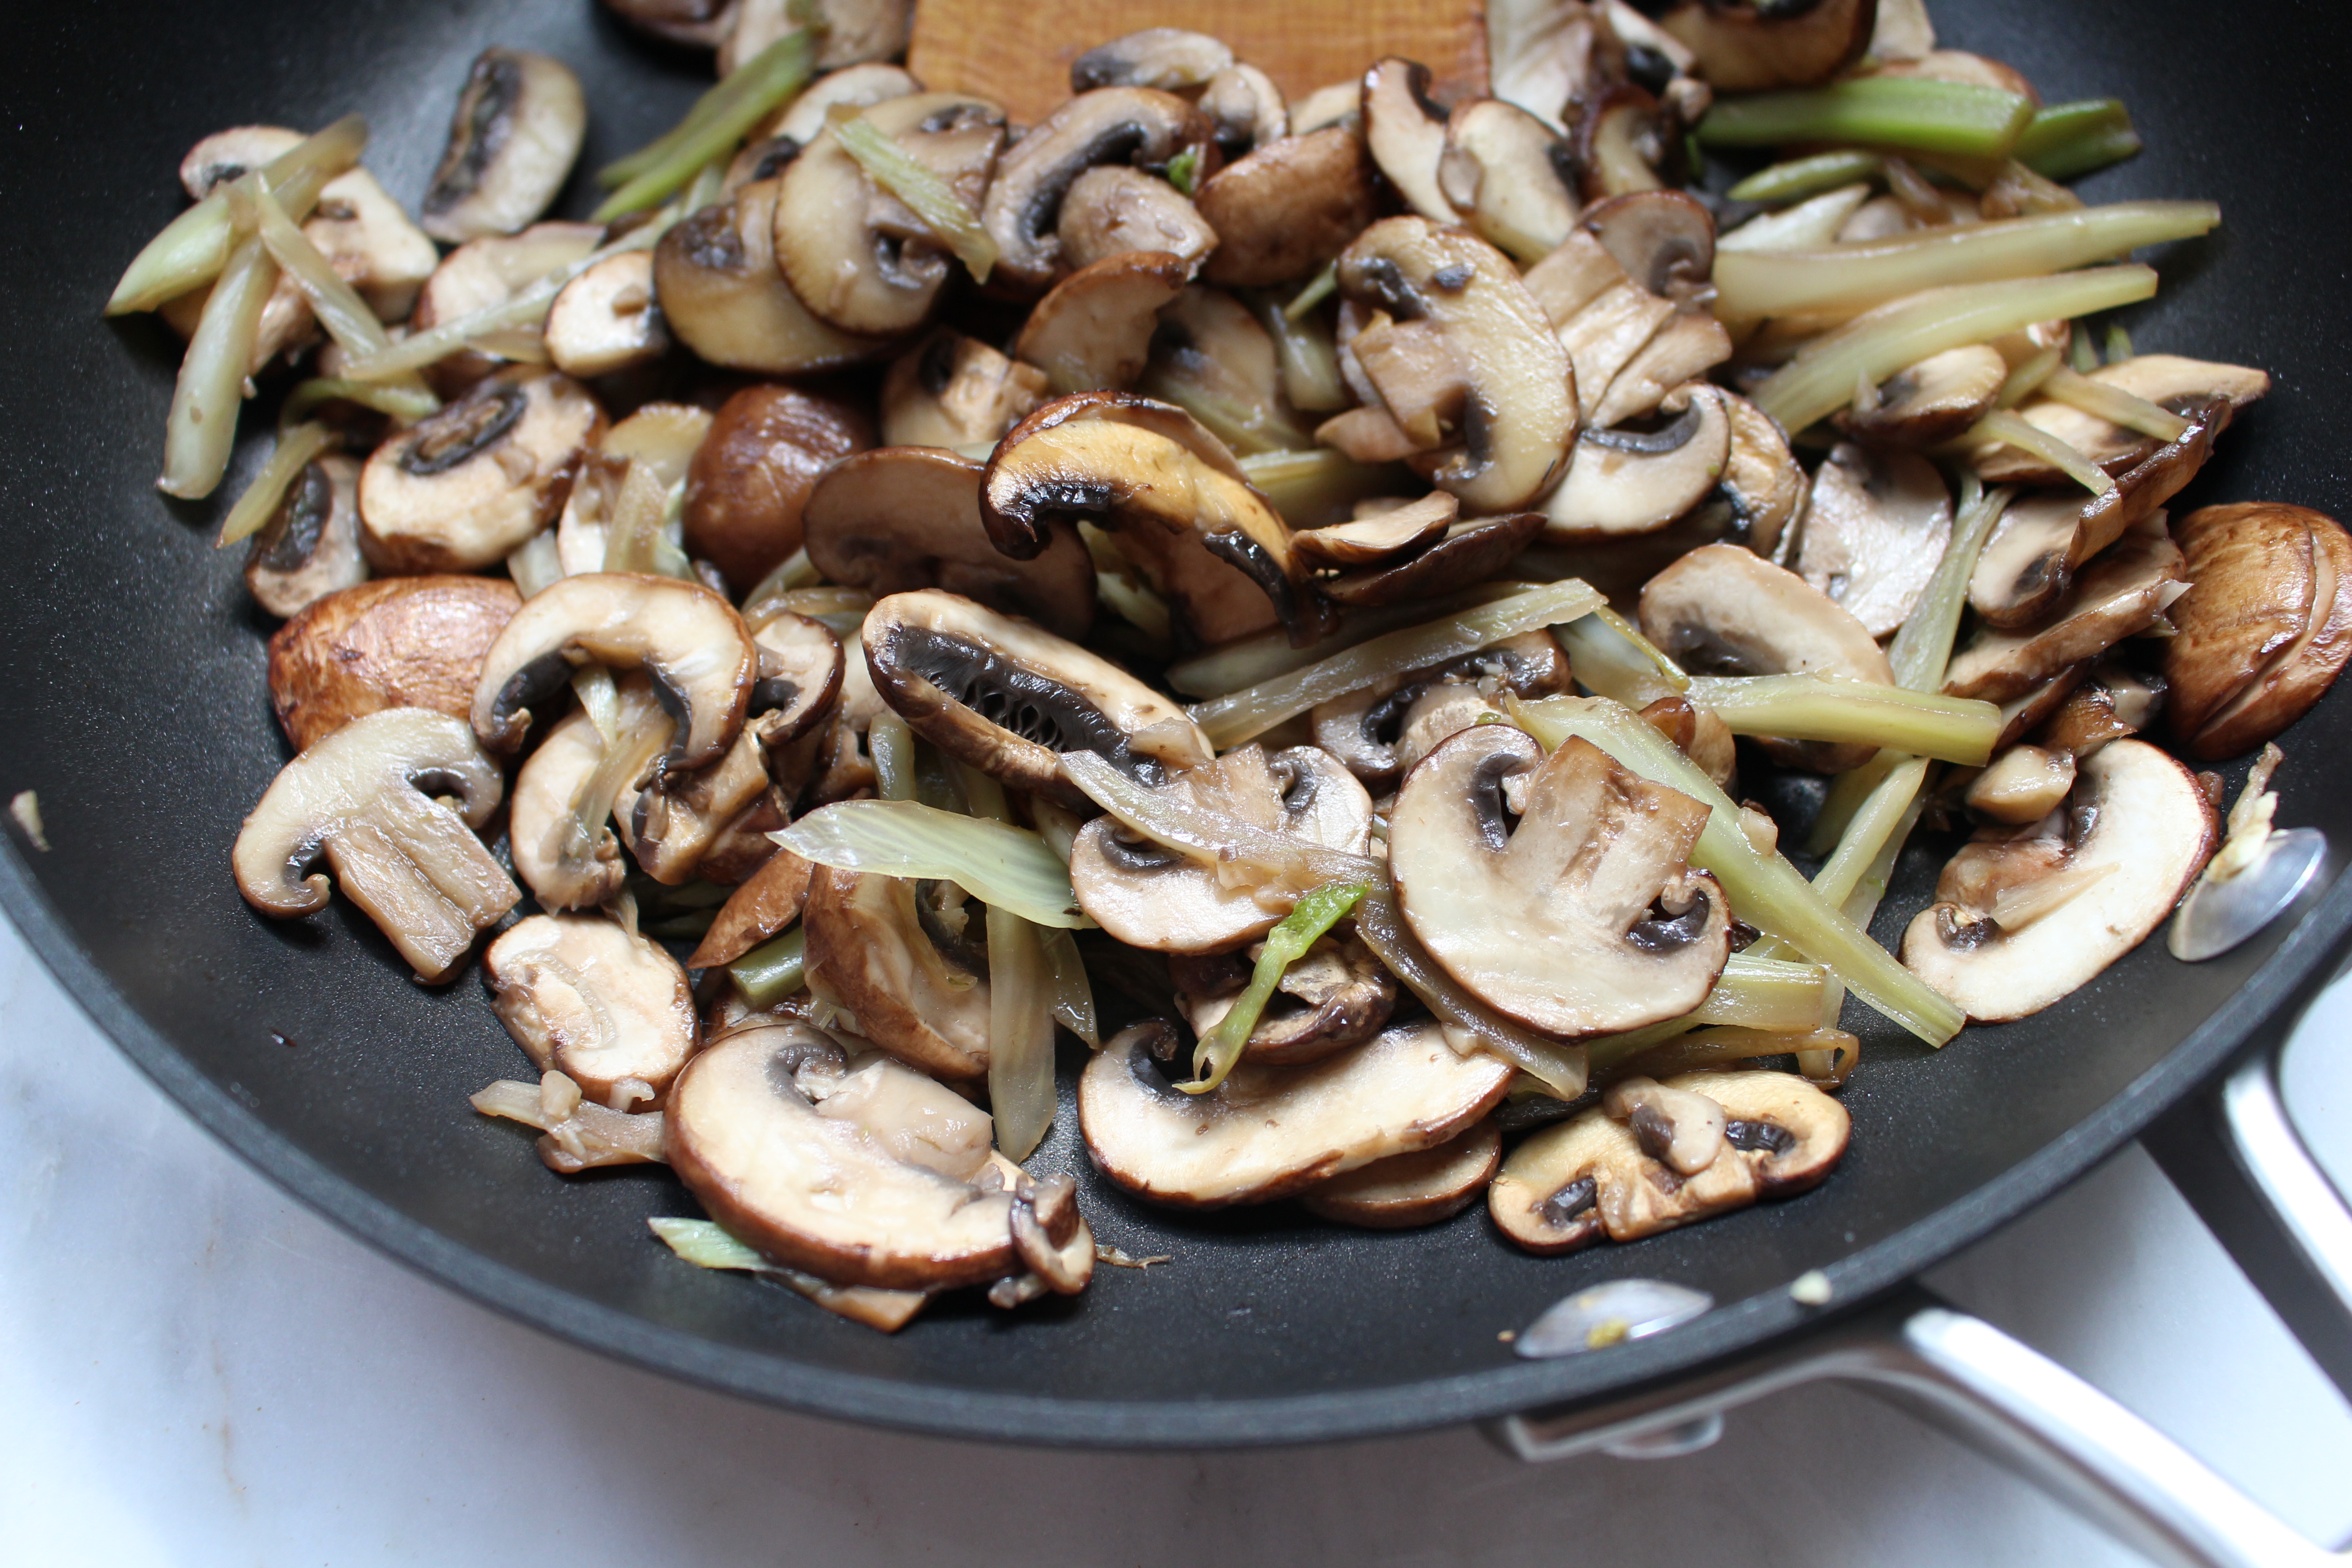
<point>469,486</point>
<point>1338,105</point>
<point>1508,176</point>
<point>1763,486</point>
<point>1571,1184</point>
<point>1333,995</point>
<point>1244,109</point>
<point>1743,47</point>
<point>1170,58</point>
<point>659,441</point>
<point>567,861</point>
<point>1682,351</point>
<point>2022,785</point>
<point>602,1005</point>
<point>1365,729</point>
<point>1605,336</point>
<point>1874,532</point>
<point>1405,1190</point>
<point>1268,1132</point>
<point>1133,125</point>
<point>742,849</point>
<point>1723,610</point>
<point>1009,699</point>
<point>875,1190</point>
<point>1209,543</point>
<point>1625,144</point>
<point>284,328</point>
<point>802,119</point>
<point>2028,916</point>
<point>2120,594</point>
<point>1094,328</point>
<point>1113,209</point>
<point>1700,734</point>
<point>1627,482</point>
<point>1679,1128</point>
<point>1518,410</point>
<point>1051,1236</point>
<point>487,272</point>
<point>903,518</point>
<point>310,545</point>
<point>517,128</point>
<point>1212,357</point>
<point>1287,208</point>
<point>715,274</point>
<point>2265,627</point>
<point>2168,381</point>
<point>914,974</point>
<point>1381,538</point>
<point>750,484</point>
<point>2110,703</point>
<point>1471,552</point>
<point>859,258</point>
<point>802,674</point>
<point>687,639</point>
<point>1585,917</point>
<point>1404,130</point>
<point>766,902</point>
<point>1932,402</point>
<point>2019,717</point>
<point>849,32</point>
<point>408,859</point>
<point>954,391</point>
<point>605,320</point>
<point>697,24</point>
<point>372,243</point>
<point>1663,240</point>
<point>677,814</point>
<point>397,642</point>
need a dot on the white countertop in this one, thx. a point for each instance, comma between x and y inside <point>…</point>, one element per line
<point>196,1371</point>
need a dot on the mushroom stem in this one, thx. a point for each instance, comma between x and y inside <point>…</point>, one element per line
<point>994,861</point>
<point>1919,113</point>
<point>1020,1034</point>
<point>718,120</point>
<point>1809,708</point>
<point>260,501</point>
<point>202,428</point>
<point>1318,911</point>
<point>773,971</point>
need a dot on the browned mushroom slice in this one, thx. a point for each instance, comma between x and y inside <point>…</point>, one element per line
<point>1510,176</point>
<point>2022,785</point>
<point>1212,357</point>
<point>856,255</point>
<point>605,320</point>
<point>310,545</point>
<point>1050,1235</point>
<point>466,487</point>
<point>1187,515</point>
<point>684,635</point>
<point>2024,916</point>
<point>1664,240</point>
<point>743,847</point>
<point>1114,208</point>
<point>2111,702</point>
<point>518,128</point>
<point>2265,627</point>
<point>1009,699</point>
<point>1722,610</point>
<point>1268,1132</point>
<point>716,276</point>
<point>1624,145</point>
<point>676,813</point>
<point>1381,538</point>
<point>1405,1190</point>
<point>2120,594</point>
<point>1245,109</point>
<point>1404,130</point>
<point>1094,328</point>
<point>1108,125</point>
<point>1683,350</point>
<point>954,391</point>
<point>1365,729</point>
<point>1932,402</point>
<point>1631,482</point>
<point>1680,1128</point>
<point>2019,716</point>
<point>1742,47</point>
<point>1763,485</point>
<point>753,474</point>
<point>397,642</point>
<point>906,960</point>
<point>602,1005</point>
<point>410,861</point>
<point>1287,208</point>
<point>768,900</point>
<point>802,673</point>
<point>872,1185</point>
<point>1152,897</point>
<point>1334,996</point>
<point>903,518</point>
<point>1585,917</point>
<point>1334,106</point>
<point>1471,552</point>
<point>2168,381</point>
<point>1874,532</point>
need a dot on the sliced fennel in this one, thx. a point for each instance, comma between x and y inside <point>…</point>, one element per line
<point>1815,708</point>
<point>1002,866</point>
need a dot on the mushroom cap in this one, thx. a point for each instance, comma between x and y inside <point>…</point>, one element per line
<point>1627,482</point>
<point>1934,401</point>
<point>1112,124</point>
<point>1408,1189</point>
<point>1663,240</point>
<point>1245,108</point>
<point>1874,532</point>
<point>749,486</point>
<point>518,128</point>
<point>469,486</point>
<point>1154,899</point>
<point>602,1005</point>
<point>2138,829</point>
<point>686,637</point>
<point>825,1192</point>
<point>2265,627</point>
<point>1287,208</point>
<point>1519,403</point>
<point>1094,328</point>
<point>1008,697</point>
<point>870,951</point>
<point>902,518</point>
<point>1112,209</point>
<point>1586,917</point>
<point>1268,1132</point>
<point>1404,131</point>
<point>396,642</point>
<point>310,545</point>
<point>722,292</point>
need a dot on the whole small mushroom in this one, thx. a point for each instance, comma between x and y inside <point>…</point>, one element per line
<point>2265,627</point>
<point>752,478</point>
<point>396,642</point>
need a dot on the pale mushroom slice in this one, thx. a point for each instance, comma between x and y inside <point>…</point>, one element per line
<point>2021,786</point>
<point>1511,178</point>
<point>1333,995</point>
<point>1724,610</point>
<point>1094,328</point>
<point>876,1190</point>
<point>1138,125</point>
<point>1404,130</point>
<point>310,545</point>
<point>662,438</point>
<point>1683,350</point>
<point>567,861</point>
<point>906,960</point>
<point>602,1005</point>
<point>898,518</point>
<point>606,320</point>
<point>1624,142</point>
<point>2171,382</point>
<point>1365,730</point>
<point>1590,1177</point>
<point>2109,702</point>
<point>394,642</point>
<point>1008,697</point>
<point>372,243</point>
<point>466,487</point>
<point>1245,109</point>
<point>1380,538</point>
<point>686,637</point>
<point>408,859</point>
<point>802,119</point>
<point>2119,596</point>
<point>1186,513</point>
<point>849,32</point>
<point>676,813</point>
<point>1155,899</point>
<point>716,276</point>
<point>1113,209</point>
<point>1743,49</point>
<point>2025,917</point>
<point>1270,1132</point>
<point>1764,487</point>
<point>1585,916</point>
<point>954,391</point>
<point>1931,402</point>
<point>1874,532</point>
<point>1405,1192</point>
<point>518,128</point>
<point>1517,406</point>
<point>1173,60</point>
<point>1623,482</point>
<point>487,272</point>
<point>1287,208</point>
<point>1212,356</point>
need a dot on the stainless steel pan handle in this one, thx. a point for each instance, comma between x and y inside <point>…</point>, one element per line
<point>2001,1396</point>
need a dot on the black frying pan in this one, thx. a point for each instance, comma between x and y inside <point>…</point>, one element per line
<point>138,711</point>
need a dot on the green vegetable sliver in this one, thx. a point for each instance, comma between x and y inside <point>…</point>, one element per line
<point>1914,113</point>
<point>1002,866</point>
<point>707,1243</point>
<point>1316,912</point>
<point>762,83</point>
<point>2066,139</point>
<point>1813,707</point>
<point>1801,177</point>
<point>201,431</point>
<point>774,970</point>
<point>890,166</point>
<point>296,448</point>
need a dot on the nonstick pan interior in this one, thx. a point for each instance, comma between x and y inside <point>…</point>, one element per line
<point>137,709</point>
